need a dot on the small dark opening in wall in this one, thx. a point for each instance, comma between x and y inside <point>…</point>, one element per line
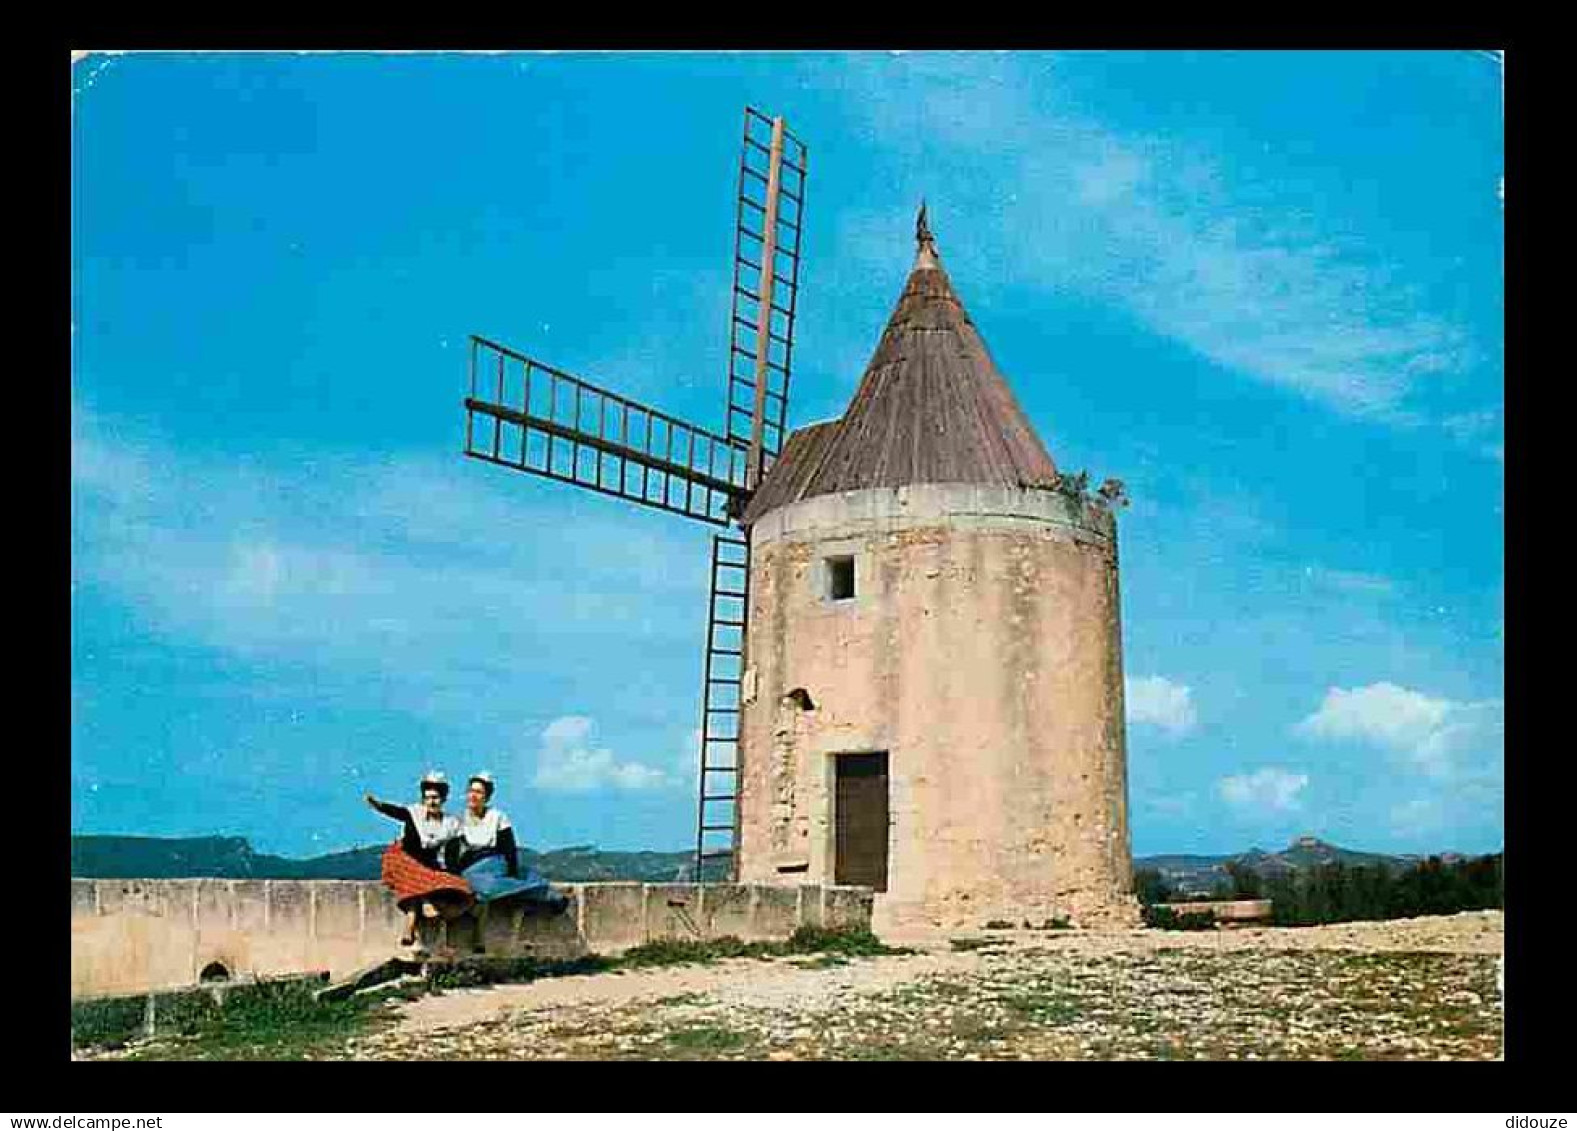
<point>801,699</point>
<point>840,578</point>
<point>787,868</point>
<point>214,972</point>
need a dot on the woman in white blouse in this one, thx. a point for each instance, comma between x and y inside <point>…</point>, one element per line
<point>486,855</point>
<point>411,866</point>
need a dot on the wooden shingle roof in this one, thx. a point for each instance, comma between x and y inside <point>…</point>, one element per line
<point>931,408</point>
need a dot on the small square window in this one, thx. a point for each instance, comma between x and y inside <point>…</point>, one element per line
<point>840,578</point>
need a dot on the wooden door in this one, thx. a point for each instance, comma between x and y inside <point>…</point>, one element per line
<point>860,819</point>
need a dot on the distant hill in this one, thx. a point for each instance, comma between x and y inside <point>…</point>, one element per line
<point>136,857</point>
<point>1194,874</point>
<point>148,857</point>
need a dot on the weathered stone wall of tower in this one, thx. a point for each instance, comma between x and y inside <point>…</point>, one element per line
<point>982,651</point>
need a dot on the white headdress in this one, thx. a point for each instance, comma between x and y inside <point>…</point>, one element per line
<point>435,777</point>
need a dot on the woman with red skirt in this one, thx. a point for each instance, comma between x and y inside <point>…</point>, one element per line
<point>411,868</point>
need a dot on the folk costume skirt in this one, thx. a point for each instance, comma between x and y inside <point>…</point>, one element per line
<point>409,879</point>
<point>490,880</point>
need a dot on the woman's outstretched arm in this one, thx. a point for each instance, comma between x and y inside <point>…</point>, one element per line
<point>410,839</point>
<point>396,812</point>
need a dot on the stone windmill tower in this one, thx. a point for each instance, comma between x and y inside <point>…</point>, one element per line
<point>933,698</point>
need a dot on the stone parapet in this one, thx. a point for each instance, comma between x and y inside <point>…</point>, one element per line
<point>133,935</point>
<point>961,506</point>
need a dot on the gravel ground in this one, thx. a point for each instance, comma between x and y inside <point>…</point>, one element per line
<point>1419,989</point>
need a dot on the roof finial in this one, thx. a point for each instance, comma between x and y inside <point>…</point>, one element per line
<point>925,254</point>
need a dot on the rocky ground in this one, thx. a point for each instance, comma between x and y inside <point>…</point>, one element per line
<point>1418,989</point>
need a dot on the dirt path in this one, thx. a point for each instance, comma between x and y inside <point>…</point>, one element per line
<point>1421,988</point>
<point>742,981</point>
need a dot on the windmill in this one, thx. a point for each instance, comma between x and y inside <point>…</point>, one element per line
<point>527,415</point>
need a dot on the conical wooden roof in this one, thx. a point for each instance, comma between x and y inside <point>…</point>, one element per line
<point>931,408</point>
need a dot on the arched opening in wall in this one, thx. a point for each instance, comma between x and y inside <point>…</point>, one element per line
<point>800,698</point>
<point>214,972</point>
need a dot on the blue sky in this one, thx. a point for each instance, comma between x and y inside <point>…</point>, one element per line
<point>1264,289</point>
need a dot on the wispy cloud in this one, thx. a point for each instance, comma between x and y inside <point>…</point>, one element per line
<point>1268,789</point>
<point>1192,246</point>
<point>419,574</point>
<point>1349,581</point>
<point>1434,736</point>
<point>569,759</point>
<point>1160,702</point>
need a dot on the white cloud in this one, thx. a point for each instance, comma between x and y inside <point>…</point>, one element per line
<point>1162,703</point>
<point>1268,788</point>
<point>1433,735</point>
<point>568,760</point>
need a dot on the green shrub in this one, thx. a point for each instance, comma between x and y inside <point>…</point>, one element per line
<point>847,940</point>
<point>266,1019</point>
<point>676,952</point>
<point>968,943</point>
<point>1150,887</point>
<point>491,971</point>
<point>108,1022</point>
<point>804,940</point>
<point>702,1039</point>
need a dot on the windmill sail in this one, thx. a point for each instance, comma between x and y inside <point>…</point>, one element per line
<point>768,226</point>
<point>532,417</point>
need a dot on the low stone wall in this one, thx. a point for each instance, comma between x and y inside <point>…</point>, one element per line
<point>1228,912</point>
<point>134,935</point>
